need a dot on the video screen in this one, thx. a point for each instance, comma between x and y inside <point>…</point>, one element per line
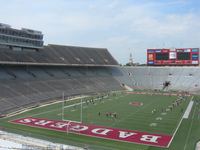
<point>162,56</point>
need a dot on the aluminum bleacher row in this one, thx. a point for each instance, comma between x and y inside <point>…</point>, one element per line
<point>30,77</point>
<point>24,86</point>
<point>58,55</point>
<point>180,78</point>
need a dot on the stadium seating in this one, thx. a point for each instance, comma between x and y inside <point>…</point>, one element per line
<point>58,55</point>
<point>29,78</point>
<point>180,78</point>
<point>22,86</point>
<point>33,76</point>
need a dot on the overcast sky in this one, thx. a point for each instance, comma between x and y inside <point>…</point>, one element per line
<point>122,26</point>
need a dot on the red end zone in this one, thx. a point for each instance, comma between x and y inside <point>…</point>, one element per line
<point>98,131</point>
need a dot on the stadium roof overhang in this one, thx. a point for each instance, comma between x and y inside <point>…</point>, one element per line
<point>54,64</point>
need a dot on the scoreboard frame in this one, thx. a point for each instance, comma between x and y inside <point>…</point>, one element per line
<point>175,57</point>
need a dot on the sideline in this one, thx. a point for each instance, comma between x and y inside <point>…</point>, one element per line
<point>188,110</point>
<point>178,125</point>
<point>33,108</point>
<point>76,104</point>
<point>190,129</point>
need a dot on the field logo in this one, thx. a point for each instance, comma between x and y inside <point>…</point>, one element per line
<point>131,136</point>
<point>137,104</point>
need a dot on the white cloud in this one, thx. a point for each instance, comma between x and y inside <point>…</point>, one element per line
<point>121,26</point>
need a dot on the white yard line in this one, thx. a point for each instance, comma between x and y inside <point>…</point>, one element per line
<point>52,104</point>
<point>64,107</point>
<point>43,105</point>
<point>188,110</point>
<point>141,108</point>
<point>45,112</point>
<point>178,125</point>
<point>189,129</point>
<point>56,109</point>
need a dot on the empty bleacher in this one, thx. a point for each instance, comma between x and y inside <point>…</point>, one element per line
<point>58,55</point>
<point>33,76</point>
<point>141,77</point>
<point>22,86</point>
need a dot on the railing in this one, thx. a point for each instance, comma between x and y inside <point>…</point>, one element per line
<point>33,143</point>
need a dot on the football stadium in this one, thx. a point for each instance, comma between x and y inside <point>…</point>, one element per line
<point>70,97</point>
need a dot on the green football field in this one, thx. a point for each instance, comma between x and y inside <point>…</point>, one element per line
<point>145,113</point>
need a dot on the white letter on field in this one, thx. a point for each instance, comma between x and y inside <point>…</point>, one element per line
<point>101,131</point>
<point>78,128</point>
<point>59,125</point>
<point>150,138</point>
<point>43,122</point>
<point>123,134</point>
<point>27,120</point>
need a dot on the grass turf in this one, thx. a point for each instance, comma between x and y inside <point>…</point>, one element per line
<point>129,117</point>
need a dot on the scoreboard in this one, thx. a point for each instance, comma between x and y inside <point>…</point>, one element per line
<point>179,56</point>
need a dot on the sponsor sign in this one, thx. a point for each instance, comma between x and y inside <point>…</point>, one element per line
<point>195,50</point>
<point>150,62</point>
<point>150,51</point>
<point>158,51</point>
<point>187,50</point>
<point>195,62</point>
<point>195,57</point>
<point>132,136</point>
<point>165,51</point>
<point>172,55</point>
<point>150,57</point>
<point>179,50</point>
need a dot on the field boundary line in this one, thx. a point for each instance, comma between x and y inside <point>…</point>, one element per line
<point>87,135</point>
<point>178,126</point>
<point>75,104</point>
<point>188,110</point>
<point>57,108</point>
<point>43,105</point>
<point>190,129</point>
<point>141,108</point>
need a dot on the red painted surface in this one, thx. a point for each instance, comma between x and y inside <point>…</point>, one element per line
<point>136,104</point>
<point>98,131</point>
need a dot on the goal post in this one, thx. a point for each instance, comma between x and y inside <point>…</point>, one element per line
<point>70,109</point>
<point>75,109</point>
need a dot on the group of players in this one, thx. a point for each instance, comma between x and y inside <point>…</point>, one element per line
<point>109,114</point>
<point>176,103</point>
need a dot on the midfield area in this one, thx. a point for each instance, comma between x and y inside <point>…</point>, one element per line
<point>153,114</point>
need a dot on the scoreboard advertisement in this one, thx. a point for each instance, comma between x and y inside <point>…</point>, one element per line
<point>179,56</point>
